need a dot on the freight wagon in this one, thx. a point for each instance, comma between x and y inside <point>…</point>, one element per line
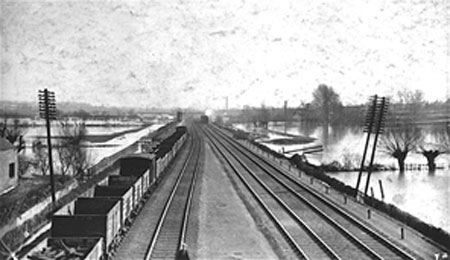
<point>125,194</point>
<point>140,165</point>
<point>128,181</point>
<point>94,222</point>
<point>93,217</point>
<point>71,248</point>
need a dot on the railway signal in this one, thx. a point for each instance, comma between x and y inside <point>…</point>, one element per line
<point>374,124</point>
<point>47,111</point>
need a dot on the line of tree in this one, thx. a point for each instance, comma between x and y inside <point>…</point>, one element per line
<point>404,135</point>
<point>404,132</point>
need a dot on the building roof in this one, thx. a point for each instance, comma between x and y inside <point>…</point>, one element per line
<point>5,144</point>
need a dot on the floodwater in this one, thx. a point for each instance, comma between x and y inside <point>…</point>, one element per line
<point>422,194</point>
<point>31,133</point>
<point>95,152</point>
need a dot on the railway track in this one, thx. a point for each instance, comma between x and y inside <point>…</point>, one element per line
<point>170,234</point>
<point>161,233</point>
<point>314,227</point>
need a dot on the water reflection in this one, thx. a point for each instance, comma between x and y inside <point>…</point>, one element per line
<point>421,193</point>
<point>346,144</point>
<point>417,192</point>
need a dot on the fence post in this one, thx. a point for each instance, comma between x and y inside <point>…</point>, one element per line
<point>381,189</point>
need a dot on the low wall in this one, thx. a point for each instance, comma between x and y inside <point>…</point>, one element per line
<point>35,210</point>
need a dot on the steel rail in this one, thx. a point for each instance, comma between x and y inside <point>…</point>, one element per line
<point>308,230</point>
<point>164,214</point>
<point>325,216</point>
<point>291,241</point>
<point>372,233</point>
<point>188,205</point>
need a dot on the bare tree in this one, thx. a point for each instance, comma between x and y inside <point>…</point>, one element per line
<point>432,150</point>
<point>41,157</point>
<point>71,155</point>
<point>24,164</point>
<point>402,134</point>
<point>398,142</point>
<point>263,116</point>
<point>410,97</point>
<point>328,103</point>
<point>13,133</point>
<point>65,157</point>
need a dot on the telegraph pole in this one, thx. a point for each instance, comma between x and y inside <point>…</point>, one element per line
<point>47,111</point>
<point>370,116</point>
<point>285,115</point>
<point>379,129</point>
<point>374,124</point>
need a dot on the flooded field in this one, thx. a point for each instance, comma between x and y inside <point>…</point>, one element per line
<point>423,194</point>
<point>98,150</point>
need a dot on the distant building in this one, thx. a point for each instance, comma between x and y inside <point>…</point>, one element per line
<point>8,166</point>
<point>179,116</point>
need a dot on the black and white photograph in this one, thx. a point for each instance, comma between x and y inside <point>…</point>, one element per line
<point>224,129</point>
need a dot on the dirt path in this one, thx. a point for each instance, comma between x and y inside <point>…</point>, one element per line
<point>226,230</point>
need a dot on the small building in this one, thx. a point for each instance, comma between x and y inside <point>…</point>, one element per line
<point>8,166</point>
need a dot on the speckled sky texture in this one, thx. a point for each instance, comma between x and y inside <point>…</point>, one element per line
<point>194,53</point>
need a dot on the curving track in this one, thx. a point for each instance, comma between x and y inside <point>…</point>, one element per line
<point>314,227</point>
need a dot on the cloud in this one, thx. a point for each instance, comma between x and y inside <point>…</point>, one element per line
<point>256,51</point>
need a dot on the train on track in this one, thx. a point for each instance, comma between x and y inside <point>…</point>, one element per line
<point>204,119</point>
<point>91,226</point>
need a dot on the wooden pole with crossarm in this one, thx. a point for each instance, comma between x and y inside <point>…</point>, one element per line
<point>47,111</point>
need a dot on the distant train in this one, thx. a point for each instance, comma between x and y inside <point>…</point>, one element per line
<point>179,116</point>
<point>90,226</point>
<point>204,119</point>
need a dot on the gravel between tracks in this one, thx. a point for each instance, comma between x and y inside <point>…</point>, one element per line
<point>414,242</point>
<point>232,224</point>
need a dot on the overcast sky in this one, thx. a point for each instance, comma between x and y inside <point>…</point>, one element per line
<point>194,53</point>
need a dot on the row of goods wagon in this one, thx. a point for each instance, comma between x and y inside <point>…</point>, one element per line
<point>91,226</point>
